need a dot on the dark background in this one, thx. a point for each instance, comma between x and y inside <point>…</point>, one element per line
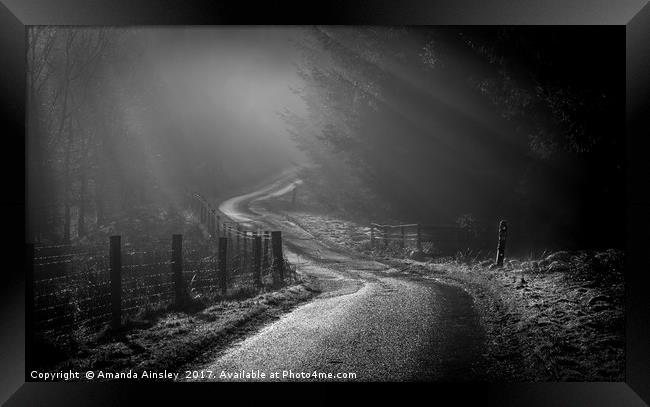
<point>479,138</point>
<point>92,12</point>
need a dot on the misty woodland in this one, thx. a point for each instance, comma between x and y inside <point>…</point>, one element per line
<point>325,203</point>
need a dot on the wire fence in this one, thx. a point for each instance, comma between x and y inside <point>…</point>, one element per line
<point>78,287</point>
<point>70,286</point>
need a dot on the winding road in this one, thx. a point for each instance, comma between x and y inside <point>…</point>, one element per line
<point>370,320</point>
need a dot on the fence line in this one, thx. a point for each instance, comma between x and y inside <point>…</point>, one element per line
<point>215,222</point>
<point>443,238</point>
<point>104,286</point>
<point>93,285</point>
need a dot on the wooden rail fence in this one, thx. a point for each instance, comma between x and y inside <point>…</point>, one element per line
<point>443,239</point>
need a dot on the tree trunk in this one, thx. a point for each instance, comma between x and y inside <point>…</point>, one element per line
<point>35,201</point>
<point>81,223</point>
<point>99,209</point>
<point>66,223</point>
<point>67,190</point>
<point>36,169</point>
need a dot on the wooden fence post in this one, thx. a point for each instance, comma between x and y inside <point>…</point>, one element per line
<point>238,239</point>
<point>115,254</point>
<point>501,246</point>
<point>278,258</point>
<point>210,220</point>
<point>223,262</point>
<point>419,237</point>
<point>29,307</point>
<point>257,259</point>
<point>403,236</point>
<point>265,261</point>
<point>218,226</point>
<point>372,236</point>
<point>245,237</point>
<point>177,269</point>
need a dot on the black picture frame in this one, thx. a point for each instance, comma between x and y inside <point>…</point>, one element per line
<point>633,16</point>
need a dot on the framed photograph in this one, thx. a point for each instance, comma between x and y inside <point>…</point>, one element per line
<point>445,195</point>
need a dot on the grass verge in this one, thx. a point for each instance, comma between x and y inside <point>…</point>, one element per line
<point>555,318</point>
<point>174,340</point>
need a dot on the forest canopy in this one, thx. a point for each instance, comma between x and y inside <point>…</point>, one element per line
<point>495,123</point>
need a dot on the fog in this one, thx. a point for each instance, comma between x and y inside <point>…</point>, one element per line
<point>415,124</point>
<point>185,180</point>
<point>230,83</point>
<point>218,94</point>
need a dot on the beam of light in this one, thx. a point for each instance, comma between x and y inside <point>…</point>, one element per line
<point>439,91</point>
<point>452,149</point>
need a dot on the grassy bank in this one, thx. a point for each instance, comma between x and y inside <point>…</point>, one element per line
<point>173,340</point>
<point>561,322</point>
<point>555,318</point>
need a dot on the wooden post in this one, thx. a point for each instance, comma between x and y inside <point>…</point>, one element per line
<point>265,261</point>
<point>419,237</point>
<point>177,268</point>
<point>403,237</point>
<point>385,235</point>
<point>115,255</point>
<point>223,262</point>
<point>210,220</point>
<point>278,258</point>
<point>29,307</point>
<point>293,197</point>
<point>229,232</point>
<point>501,247</point>
<point>238,239</point>
<point>372,236</point>
<point>257,260</point>
<point>218,226</point>
<point>245,244</point>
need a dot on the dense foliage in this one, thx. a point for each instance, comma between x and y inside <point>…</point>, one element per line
<point>515,123</point>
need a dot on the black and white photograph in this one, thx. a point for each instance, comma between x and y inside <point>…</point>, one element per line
<point>325,203</point>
